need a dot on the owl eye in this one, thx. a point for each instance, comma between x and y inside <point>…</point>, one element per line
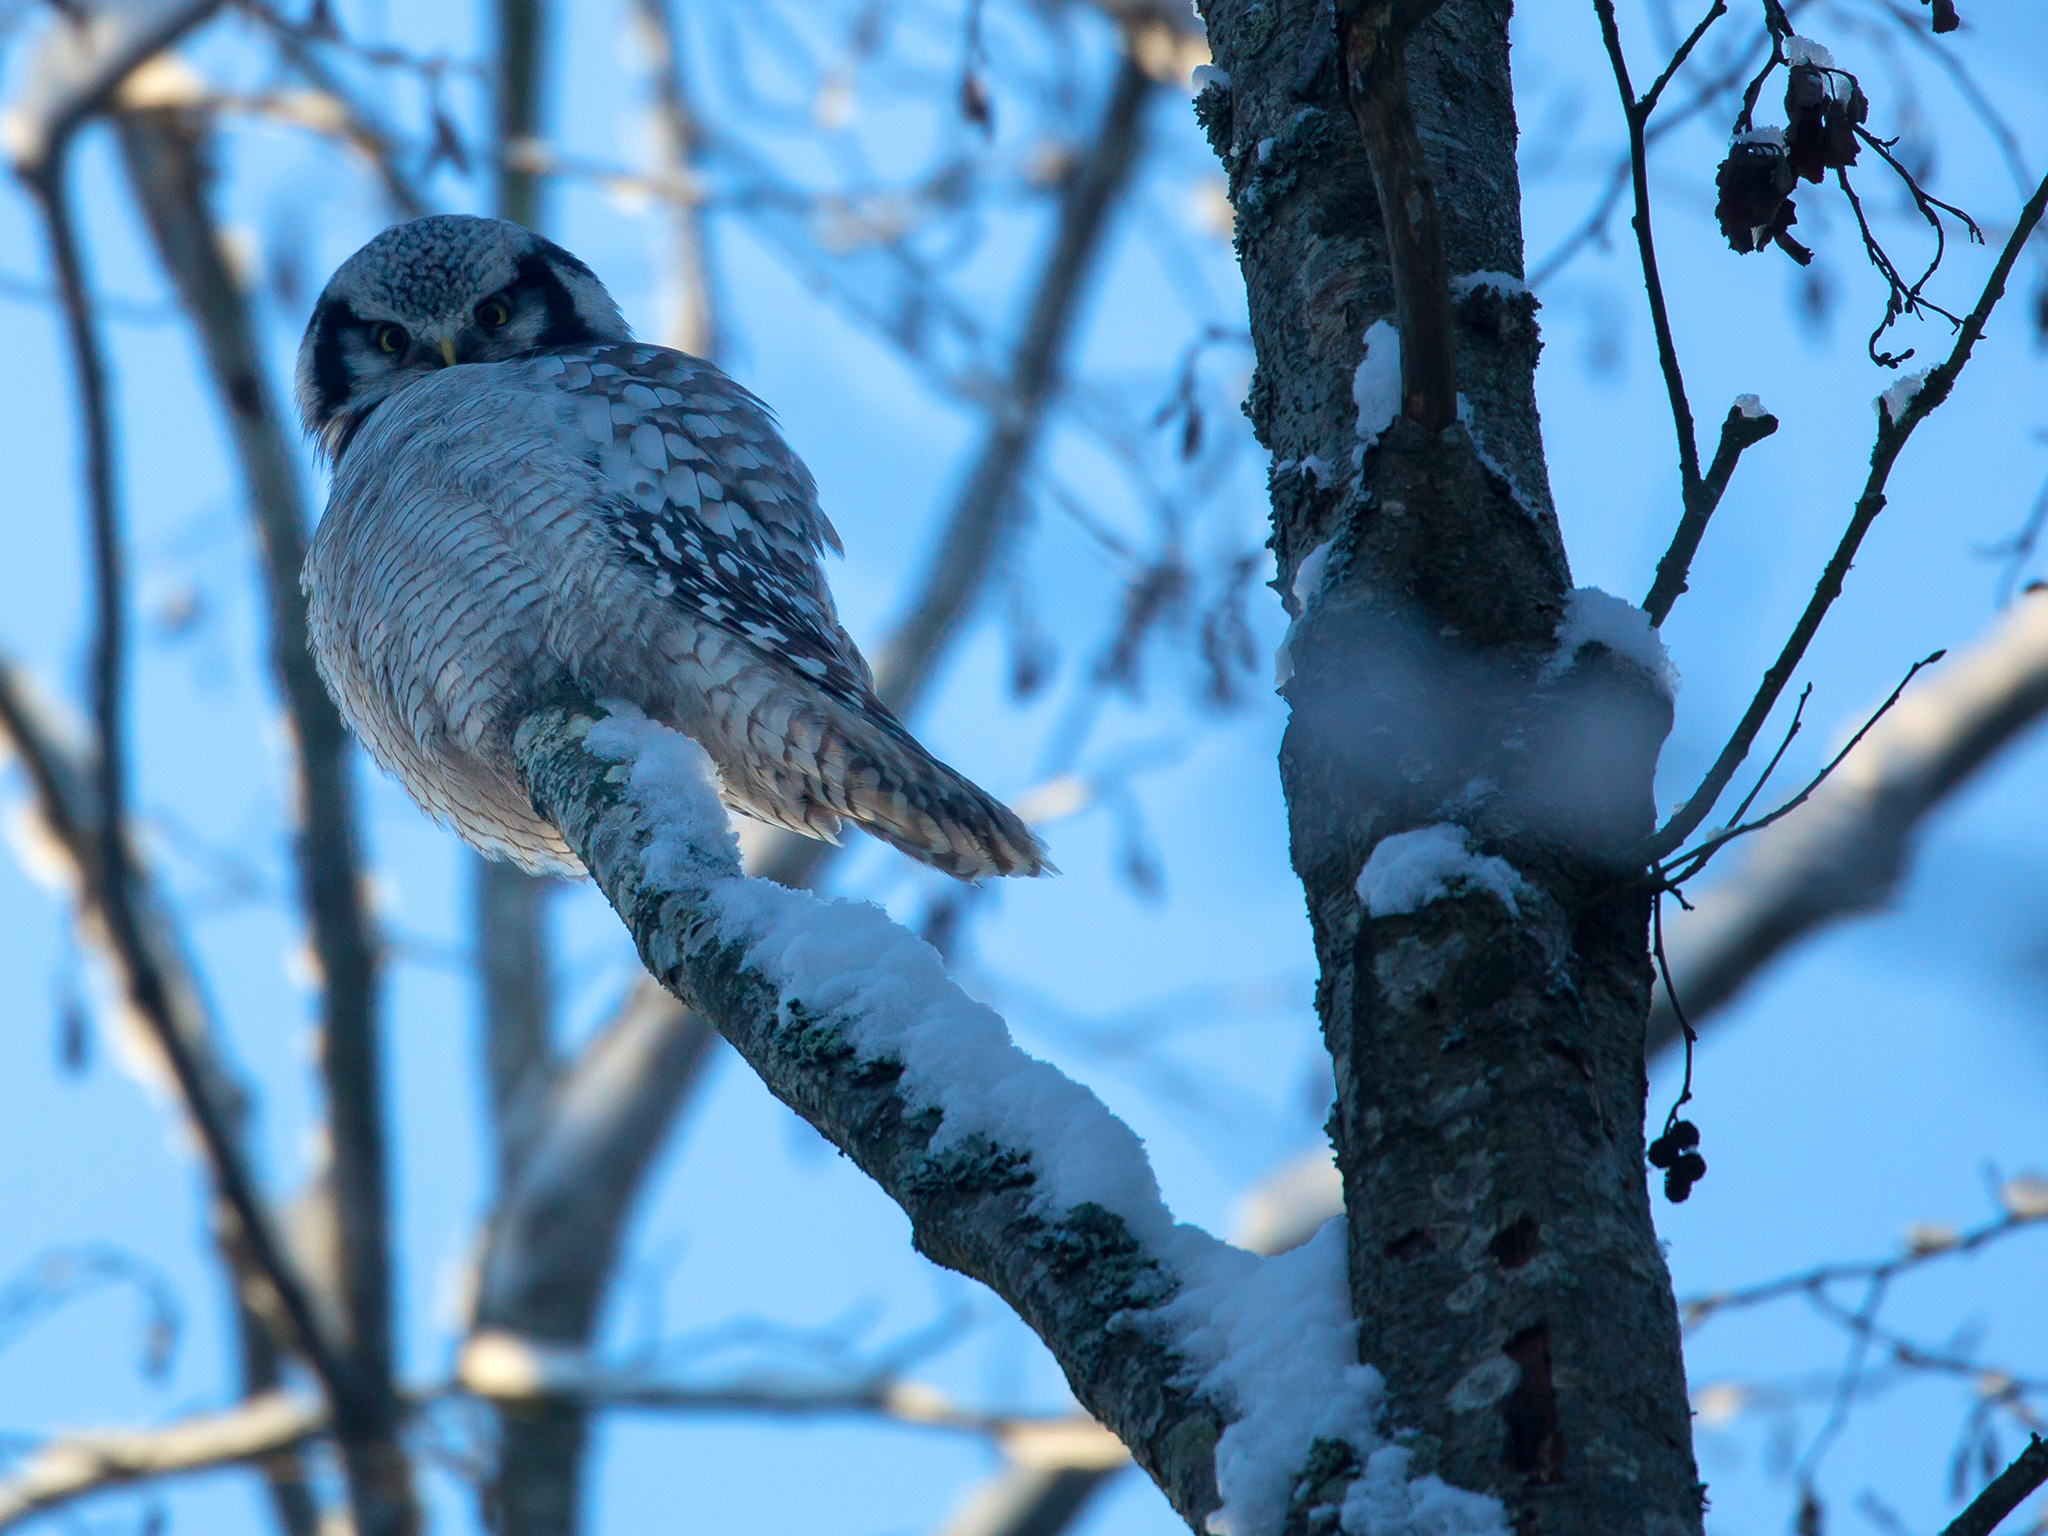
<point>392,338</point>
<point>494,313</point>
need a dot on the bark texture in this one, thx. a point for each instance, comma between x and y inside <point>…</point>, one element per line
<point>1081,1280</point>
<point>1488,1059</point>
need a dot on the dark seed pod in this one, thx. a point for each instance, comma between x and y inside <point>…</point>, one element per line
<point>1945,17</point>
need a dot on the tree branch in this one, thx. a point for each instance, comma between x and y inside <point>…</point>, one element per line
<point>1845,851</point>
<point>553,1237</point>
<point>166,159</point>
<point>1671,570</point>
<point>355,123</point>
<point>842,1014</point>
<point>1892,436</point>
<point>144,983</point>
<point>63,783</point>
<point>1050,1473</point>
<point>260,1429</point>
<point>85,58</point>
<point>2005,1492</point>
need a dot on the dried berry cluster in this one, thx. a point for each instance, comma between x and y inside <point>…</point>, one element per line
<point>1945,17</point>
<point>1677,1153</point>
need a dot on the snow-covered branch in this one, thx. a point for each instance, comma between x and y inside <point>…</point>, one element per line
<point>525,1374</point>
<point>1221,1371</point>
<point>261,1427</point>
<point>1844,850</point>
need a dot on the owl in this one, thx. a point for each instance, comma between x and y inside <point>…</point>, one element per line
<point>524,496</point>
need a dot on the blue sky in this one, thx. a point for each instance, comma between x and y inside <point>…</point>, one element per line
<point>1863,1086</point>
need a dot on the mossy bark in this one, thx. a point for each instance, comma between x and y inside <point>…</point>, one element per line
<point>1490,1077</point>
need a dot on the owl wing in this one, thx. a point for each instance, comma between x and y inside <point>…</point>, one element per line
<point>705,494</point>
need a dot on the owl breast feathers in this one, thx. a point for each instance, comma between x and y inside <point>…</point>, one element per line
<point>625,518</point>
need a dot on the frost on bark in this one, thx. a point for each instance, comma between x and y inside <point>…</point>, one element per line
<point>1488,1048</point>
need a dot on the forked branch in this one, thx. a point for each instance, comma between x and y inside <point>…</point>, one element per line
<point>1892,436</point>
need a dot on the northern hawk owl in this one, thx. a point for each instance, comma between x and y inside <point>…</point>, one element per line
<point>523,495</point>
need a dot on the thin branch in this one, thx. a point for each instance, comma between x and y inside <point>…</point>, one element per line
<point>1764,778</point>
<point>2004,1494</point>
<point>1847,850</point>
<point>166,159</point>
<point>1698,1310</point>
<point>1648,103</point>
<point>1689,863</point>
<point>973,534</point>
<point>1594,225</point>
<point>516,1374</point>
<point>1892,436</point>
<point>1739,431</point>
<point>145,984</point>
<point>260,1429</point>
<point>62,776</point>
<point>353,121</point>
<point>1637,114</point>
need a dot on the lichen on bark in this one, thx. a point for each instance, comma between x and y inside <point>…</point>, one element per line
<point>1490,1080</point>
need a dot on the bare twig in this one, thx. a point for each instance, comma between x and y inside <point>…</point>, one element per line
<point>1689,863</point>
<point>2029,1470</point>
<point>1892,436</point>
<point>1739,431</point>
<point>1847,849</point>
<point>1697,1311</point>
<point>261,1428</point>
<point>1699,494</point>
<point>1638,114</point>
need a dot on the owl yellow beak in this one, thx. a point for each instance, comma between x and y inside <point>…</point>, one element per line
<point>448,350</point>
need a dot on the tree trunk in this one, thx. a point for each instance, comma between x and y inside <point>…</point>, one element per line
<point>1488,1049</point>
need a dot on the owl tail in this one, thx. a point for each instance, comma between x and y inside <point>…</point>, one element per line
<point>813,768</point>
<point>893,788</point>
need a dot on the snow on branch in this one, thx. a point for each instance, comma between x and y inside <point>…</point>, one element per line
<point>1221,1371</point>
<point>1594,617</point>
<point>1409,870</point>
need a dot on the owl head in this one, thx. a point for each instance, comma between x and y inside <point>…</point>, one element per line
<point>437,293</point>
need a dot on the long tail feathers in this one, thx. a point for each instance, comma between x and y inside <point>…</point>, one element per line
<point>865,767</point>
